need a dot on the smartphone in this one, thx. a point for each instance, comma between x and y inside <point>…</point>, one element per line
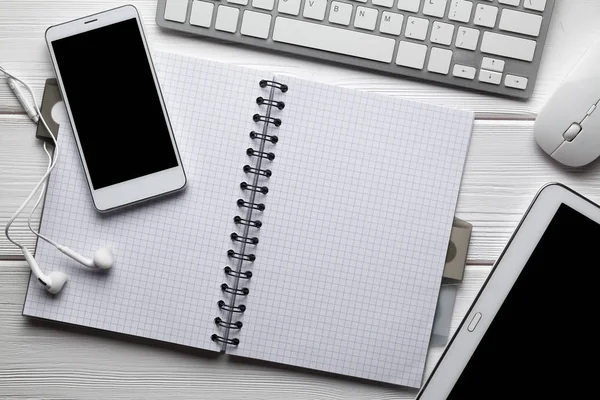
<point>116,109</point>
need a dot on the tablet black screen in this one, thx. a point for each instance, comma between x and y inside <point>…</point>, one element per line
<point>542,343</point>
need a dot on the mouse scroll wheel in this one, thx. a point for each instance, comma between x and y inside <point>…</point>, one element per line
<point>572,132</point>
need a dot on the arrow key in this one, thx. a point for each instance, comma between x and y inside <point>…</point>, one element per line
<point>516,82</point>
<point>463,71</point>
<point>490,77</point>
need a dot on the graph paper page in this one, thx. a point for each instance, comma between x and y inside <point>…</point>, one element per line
<point>355,233</point>
<point>170,253</point>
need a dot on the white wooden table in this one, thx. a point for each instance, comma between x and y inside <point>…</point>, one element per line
<point>504,170</point>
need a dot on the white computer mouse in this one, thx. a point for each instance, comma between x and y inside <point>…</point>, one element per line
<point>568,127</point>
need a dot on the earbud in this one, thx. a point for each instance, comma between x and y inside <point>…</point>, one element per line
<point>103,258</point>
<point>53,282</point>
<point>56,282</point>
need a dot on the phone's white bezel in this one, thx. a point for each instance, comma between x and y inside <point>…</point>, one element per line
<point>498,285</point>
<point>134,190</point>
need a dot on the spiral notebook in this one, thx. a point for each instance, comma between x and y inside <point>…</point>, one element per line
<point>312,232</point>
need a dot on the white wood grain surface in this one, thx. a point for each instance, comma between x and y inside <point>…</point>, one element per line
<point>504,170</point>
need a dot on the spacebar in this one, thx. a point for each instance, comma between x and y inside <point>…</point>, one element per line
<point>335,40</point>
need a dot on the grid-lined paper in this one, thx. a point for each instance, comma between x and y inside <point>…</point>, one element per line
<point>353,241</point>
<point>170,253</point>
<point>355,233</point>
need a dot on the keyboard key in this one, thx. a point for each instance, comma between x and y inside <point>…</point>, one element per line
<point>315,9</point>
<point>391,23</point>
<point>416,28</point>
<point>360,1</point>
<point>511,2</point>
<point>508,46</point>
<point>227,18</point>
<point>176,10</point>
<point>439,61</point>
<point>520,22</point>
<point>240,2</point>
<point>263,4</point>
<point>409,5</point>
<point>383,3</point>
<point>460,10</point>
<point>492,64</point>
<point>463,71</point>
<point>202,12</point>
<point>442,33</point>
<point>340,13</point>
<point>467,38</point>
<point>365,18</point>
<point>256,24</point>
<point>516,82</point>
<point>411,55</point>
<point>291,7</point>
<point>336,40</point>
<point>435,8</point>
<point>537,5</point>
<point>486,15</point>
<point>491,77</point>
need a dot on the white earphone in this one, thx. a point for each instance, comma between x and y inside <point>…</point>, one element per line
<point>54,281</point>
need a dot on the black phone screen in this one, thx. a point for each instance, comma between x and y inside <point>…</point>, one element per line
<point>115,104</point>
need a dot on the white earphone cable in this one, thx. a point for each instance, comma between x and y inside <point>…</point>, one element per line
<point>37,203</point>
<point>44,177</point>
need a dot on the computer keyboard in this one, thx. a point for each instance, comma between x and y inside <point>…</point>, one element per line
<point>489,45</point>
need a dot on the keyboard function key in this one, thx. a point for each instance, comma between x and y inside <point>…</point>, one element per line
<point>460,10</point>
<point>391,23</point>
<point>201,14</point>
<point>435,8</point>
<point>511,2</point>
<point>340,13</point>
<point>486,15</point>
<point>492,64</point>
<point>416,28</point>
<point>467,38</point>
<point>411,55</point>
<point>442,33</point>
<point>439,61</point>
<point>537,5</point>
<point>508,46</point>
<point>516,82</point>
<point>176,10</point>
<point>409,5</point>
<point>490,77</point>
<point>256,24</point>
<point>365,18</point>
<point>335,40</point>
<point>227,19</point>
<point>463,71</point>
<point>291,7</point>
<point>383,3</point>
<point>520,22</point>
<point>315,9</point>
<point>263,4</point>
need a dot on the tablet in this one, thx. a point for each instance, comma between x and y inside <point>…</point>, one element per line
<point>531,331</point>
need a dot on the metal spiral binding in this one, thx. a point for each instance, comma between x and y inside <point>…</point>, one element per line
<point>247,204</point>
<point>247,222</point>
<point>235,274</point>
<point>264,172</point>
<point>260,154</point>
<point>271,138</point>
